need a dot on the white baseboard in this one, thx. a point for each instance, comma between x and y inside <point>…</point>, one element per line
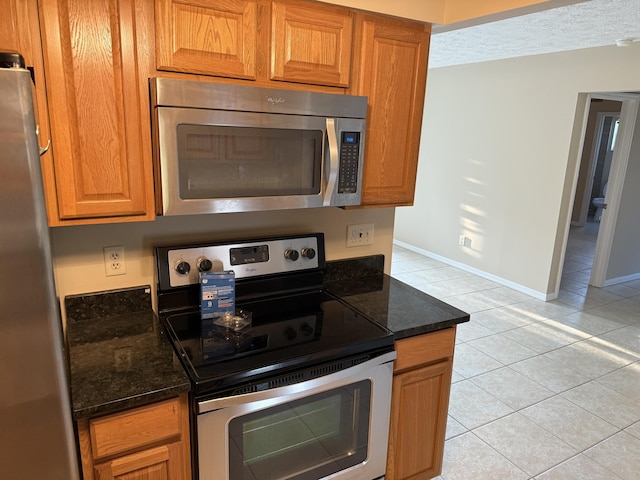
<point>502,281</point>
<point>615,281</point>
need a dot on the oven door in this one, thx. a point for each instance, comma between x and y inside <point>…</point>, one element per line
<point>335,426</point>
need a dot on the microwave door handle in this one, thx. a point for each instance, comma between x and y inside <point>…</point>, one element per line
<point>334,161</point>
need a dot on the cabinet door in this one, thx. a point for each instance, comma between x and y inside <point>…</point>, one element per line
<point>311,45</point>
<point>211,37</point>
<point>147,442</point>
<point>418,422</point>
<point>100,137</point>
<point>160,463</point>
<point>391,69</point>
<point>20,32</point>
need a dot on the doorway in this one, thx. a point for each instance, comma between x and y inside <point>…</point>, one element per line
<point>606,132</point>
<point>595,166</point>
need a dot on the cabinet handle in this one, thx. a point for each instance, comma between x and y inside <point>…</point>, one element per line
<point>42,150</point>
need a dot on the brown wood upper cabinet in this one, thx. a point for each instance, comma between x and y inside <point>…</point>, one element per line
<point>390,67</point>
<point>310,44</point>
<point>288,40</point>
<point>98,110</point>
<point>210,37</point>
<point>97,56</point>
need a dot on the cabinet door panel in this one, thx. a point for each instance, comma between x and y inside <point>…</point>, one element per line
<point>207,36</point>
<point>91,68</point>
<point>160,463</point>
<point>419,415</point>
<point>392,69</point>
<point>311,45</point>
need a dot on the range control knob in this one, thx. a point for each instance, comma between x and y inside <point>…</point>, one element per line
<point>290,333</point>
<point>291,254</point>
<point>183,267</point>
<point>306,329</point>
<point>308,253</point>
<point>204,264</point>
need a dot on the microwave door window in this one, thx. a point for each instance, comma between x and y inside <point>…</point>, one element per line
<point>237,162</point>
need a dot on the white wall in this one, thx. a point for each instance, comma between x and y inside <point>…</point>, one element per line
<point>496,143</point>
<point>78,257</point>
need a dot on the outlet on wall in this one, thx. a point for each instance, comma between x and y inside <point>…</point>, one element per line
<point>114,261</point>
<point>358,235</point>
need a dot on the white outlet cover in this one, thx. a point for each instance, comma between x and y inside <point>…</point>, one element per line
<point>114,263</point>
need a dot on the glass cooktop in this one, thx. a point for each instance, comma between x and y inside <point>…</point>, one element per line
<point>287,333</point>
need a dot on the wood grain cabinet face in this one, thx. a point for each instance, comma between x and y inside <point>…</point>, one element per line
<point>99,130</point>
<point>145,443</point>
<point>391,69</point>
<point>160,463</point>
<point>419,406</point>
<point>210,37</point>
<point>311,45</point>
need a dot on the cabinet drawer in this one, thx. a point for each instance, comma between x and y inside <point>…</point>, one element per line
<point>423,349</point>
<point>134,428</point>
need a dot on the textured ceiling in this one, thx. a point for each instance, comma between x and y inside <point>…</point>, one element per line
<point>592,23</point>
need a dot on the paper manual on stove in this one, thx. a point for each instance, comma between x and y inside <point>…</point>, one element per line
<point>217,293</point>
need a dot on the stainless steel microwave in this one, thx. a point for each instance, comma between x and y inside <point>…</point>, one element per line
<point>223,148</point>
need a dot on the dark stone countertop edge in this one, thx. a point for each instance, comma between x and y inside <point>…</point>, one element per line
<point>123,404</point>
<point>433,327</point>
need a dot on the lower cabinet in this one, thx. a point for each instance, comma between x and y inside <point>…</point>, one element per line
<point>144,443</point>
<point>419,404</point>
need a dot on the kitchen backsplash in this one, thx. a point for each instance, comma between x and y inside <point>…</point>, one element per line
<point>79,262</point>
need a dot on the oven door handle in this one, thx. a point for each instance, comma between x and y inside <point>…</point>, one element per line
<point>334,162</point>
<point>276,395</point>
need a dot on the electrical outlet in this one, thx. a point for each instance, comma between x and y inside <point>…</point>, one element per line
<point>114,261</point>
<point>359,235</point>
<point>464,241</point>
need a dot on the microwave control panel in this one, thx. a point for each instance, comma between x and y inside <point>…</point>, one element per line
<point>349,156</point>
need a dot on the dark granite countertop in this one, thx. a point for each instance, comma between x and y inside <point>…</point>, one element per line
<point>404,310</point>
<point>119,358</point>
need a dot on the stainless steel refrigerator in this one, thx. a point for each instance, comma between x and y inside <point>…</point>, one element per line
<point>36,431</point>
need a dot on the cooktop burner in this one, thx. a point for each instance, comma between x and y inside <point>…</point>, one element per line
<point>295,324</point>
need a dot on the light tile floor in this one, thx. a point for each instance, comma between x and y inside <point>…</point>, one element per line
<point>541,390</point>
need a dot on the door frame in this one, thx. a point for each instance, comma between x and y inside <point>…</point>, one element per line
<point>628,115</point>
<point>619,162</point>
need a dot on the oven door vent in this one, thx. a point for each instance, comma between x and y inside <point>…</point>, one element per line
<point>301,376</point>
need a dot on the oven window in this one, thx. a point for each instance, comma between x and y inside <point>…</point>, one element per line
<point>308,438</point>
<point>231,162</point>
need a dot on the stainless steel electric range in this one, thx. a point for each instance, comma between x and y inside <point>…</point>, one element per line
<point>303,391</point>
